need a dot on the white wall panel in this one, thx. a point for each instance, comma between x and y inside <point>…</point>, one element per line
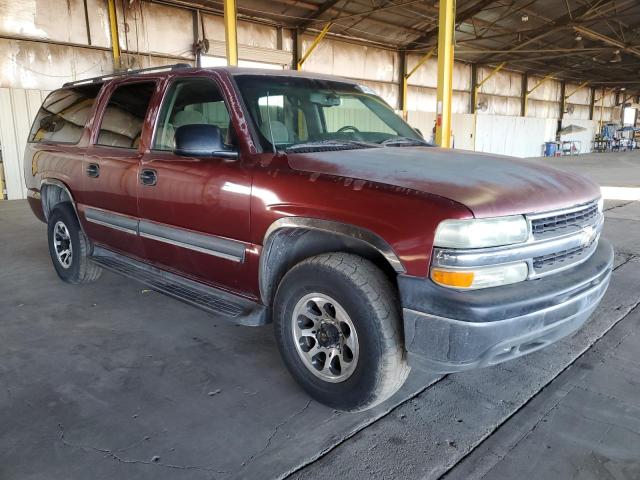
<point>423,121</point>
<point>578,96</point>
<point>350,60</point>
<point>499,105</point>
<point>58,20</point>
<point>503,83</point>
<point>543,109</point>
<point>548,90</point>
<point>515,136</point>
<point>249,33</point>
<point>586,137</point>
<point>99,23</point>
<point>580,112</point>
<point>36,65</point>
<point>154,28</point>
<point>424,99</point>
<point>427,74</point>
<point>463,129</point>
<point>17,109</point>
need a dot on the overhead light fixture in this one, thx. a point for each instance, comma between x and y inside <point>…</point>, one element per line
<point>524,18</point>
<point>622,89</point>
<point>617,58</point>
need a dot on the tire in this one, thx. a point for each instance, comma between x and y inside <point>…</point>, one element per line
<point>69,247</point>
<point>311,303</point>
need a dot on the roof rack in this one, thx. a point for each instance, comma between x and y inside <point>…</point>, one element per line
<point>103,78</point>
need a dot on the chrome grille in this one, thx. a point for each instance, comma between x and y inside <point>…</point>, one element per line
<point>554,225</point>
<point>563,258</point>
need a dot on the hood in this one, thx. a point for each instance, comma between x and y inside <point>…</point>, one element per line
<point>489,185</point>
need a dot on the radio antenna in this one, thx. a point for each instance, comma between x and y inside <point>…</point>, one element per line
<point>273,142</point>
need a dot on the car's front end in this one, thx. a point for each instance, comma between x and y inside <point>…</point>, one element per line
<point>503,287</point>
<point>494,257</point>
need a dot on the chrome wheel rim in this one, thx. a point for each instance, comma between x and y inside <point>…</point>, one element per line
<point>62,244</point>
<point>325,337</point>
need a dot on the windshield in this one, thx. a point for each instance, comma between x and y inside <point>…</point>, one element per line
<point>312,114</point>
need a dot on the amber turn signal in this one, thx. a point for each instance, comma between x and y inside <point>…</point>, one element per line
<point>452,279</point>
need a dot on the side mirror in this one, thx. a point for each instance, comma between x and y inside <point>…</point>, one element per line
<point>201,140</point>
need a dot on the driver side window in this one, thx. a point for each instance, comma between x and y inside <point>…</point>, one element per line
<point>192,102</point>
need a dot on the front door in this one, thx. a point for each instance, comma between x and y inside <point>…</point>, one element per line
<point>110,169</point>
<point>194,212</point>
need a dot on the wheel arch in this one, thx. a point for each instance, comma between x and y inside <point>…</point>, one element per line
<point>290,240</point>
<point>53,192</point>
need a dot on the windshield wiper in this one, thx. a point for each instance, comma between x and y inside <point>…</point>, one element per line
<point>333,144</point>
<point>404,141</point>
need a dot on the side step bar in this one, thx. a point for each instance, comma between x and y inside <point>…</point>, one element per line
<point>218,302</point>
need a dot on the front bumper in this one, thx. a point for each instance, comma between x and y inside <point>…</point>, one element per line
<point>449,331</point>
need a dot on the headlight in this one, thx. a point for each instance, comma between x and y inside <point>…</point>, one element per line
<point>481,277</point>
<point>479,233</point>
<point>601,205</point>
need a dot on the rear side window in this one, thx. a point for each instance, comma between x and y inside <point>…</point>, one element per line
<point>64,114</point>
<point>124,115</point>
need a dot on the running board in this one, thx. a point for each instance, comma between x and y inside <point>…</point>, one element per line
<point>218,302</point>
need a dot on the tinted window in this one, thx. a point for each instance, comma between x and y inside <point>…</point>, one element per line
<point>64,114</point>
<point>124,115</point>
<point>188,102</point>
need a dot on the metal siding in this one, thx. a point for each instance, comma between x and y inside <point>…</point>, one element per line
<point>18,107</point>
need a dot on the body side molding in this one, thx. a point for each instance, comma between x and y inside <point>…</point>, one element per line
<point>212,245</point>
<point>117,221</point>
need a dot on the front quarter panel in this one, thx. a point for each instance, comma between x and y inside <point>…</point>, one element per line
<point>404,218</point>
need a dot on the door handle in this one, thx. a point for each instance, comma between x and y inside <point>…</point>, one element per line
<point>93,170</point>
<point>148,177</point>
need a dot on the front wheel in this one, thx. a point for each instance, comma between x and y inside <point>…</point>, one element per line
<point>338,328</point>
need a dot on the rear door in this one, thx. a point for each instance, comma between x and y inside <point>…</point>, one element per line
<point>111,166</point>
<point>194,212</point>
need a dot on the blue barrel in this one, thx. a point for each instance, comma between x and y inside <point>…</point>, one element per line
<point>550,149</point>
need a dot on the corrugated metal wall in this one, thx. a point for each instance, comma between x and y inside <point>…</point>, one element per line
<point>18,107</point>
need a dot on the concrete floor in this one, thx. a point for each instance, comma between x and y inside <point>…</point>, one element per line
<point>113,381</point>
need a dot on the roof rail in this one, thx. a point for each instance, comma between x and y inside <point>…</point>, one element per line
<point>103,78</point>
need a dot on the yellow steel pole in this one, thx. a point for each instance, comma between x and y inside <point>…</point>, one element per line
<point>231,31</point>
<point>406,76</point>
<point>315,43</point>
<point>446,23</point>
<point>113,28</point>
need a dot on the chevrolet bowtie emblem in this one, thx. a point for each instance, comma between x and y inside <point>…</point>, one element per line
<point>588,233</point>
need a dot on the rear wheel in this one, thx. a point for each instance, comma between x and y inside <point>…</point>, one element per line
<point>69,247</point>
<point>338,328</point>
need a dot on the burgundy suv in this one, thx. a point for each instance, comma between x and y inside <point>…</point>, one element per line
<point>303,199</point>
